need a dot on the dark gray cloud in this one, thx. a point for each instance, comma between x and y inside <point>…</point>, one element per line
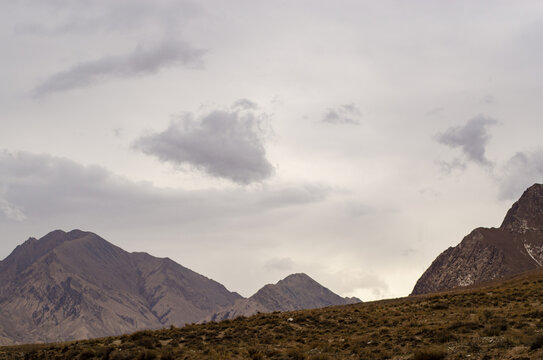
<point>521,171</point>
<point>471,138</point>
<point>44,188</point>
<point>222,144</point>
<point>141,61</point>
<point>343,114</point>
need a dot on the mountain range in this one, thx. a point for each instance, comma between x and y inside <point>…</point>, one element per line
<point>492,253</point>
<point>76,285</point>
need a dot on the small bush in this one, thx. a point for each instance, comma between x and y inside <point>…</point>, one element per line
<point>255,354</point>
<point>430,354</point>
<point>148,355</point>
<point>537,343</point>
<point>296,354</point>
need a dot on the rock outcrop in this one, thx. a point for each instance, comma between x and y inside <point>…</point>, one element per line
<point>492,253</point>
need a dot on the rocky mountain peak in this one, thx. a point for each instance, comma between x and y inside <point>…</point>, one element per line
<point>297,278</point>
<point>295,292</point>
<point>527,213</point>
<point>73,285</point>
<point>488,254</point>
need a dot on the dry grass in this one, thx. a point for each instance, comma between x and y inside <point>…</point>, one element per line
<point>500,321</point>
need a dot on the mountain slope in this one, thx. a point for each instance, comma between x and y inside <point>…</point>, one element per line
<point>487,254</point>
<point>295,292</point>
<point>77,285</point>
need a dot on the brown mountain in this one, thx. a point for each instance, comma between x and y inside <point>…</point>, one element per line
<point>295,292</point>
<point>77,285</point>
<point>487,254</point>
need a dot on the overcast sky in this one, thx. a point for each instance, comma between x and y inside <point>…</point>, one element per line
<point>247,140</point>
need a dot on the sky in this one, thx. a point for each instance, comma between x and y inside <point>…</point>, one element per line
<point>248,140</point>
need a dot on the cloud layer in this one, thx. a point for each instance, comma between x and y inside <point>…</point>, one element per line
<point>141,61</point>
<point>36,187</point>
<point>223,144</point>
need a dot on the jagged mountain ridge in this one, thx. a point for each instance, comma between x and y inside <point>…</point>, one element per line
<point>295,292</point>
<point>492,253</point>
<point>77,285</point>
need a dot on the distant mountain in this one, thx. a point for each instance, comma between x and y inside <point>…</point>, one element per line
<point>77,285</point>
<point>487,254</point>
<point>295,292</point>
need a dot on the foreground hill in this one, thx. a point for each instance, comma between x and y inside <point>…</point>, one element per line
<point>77,285</point>
<point>487,254</point>
<point>295,292</point>
<point>503,320</point>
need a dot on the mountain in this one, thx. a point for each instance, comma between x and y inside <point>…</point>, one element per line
<point>492,253</point>
<point>295,292</point>
<point>74,285</point>
<point>497,320</point>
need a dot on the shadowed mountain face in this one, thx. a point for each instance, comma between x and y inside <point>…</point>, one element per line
<point>77,285</point>
<point>487,254</point>
<point>295,292</point>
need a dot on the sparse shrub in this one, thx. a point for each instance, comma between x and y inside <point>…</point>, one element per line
<point>148,355</point>
<point>255,354</point>
<point>296,354</point>
<point>319,357</point>
<point>121,355</point>
<point>440,306</point>
<point>504,343</point>
<point>444,336</point>
<point>537,343</point>
<point>86,354</point>
<point>430,354</point>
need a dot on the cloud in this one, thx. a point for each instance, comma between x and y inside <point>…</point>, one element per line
<point>223,144</point>
<point>470,138</point>
<point>489,99</point>
<point>281,264</point>
<point>48,187</point>
<point>11,212</point>
<point>435,111</point>
<point>142,61</point>
<point>447,167</point>
<point>245,104</point>
<point>520,172</point>
<point>344,114</point>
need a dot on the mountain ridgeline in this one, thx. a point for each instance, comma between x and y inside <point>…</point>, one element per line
<point>295,292</point>
<point>492,253</point>
<point>76,285</point>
